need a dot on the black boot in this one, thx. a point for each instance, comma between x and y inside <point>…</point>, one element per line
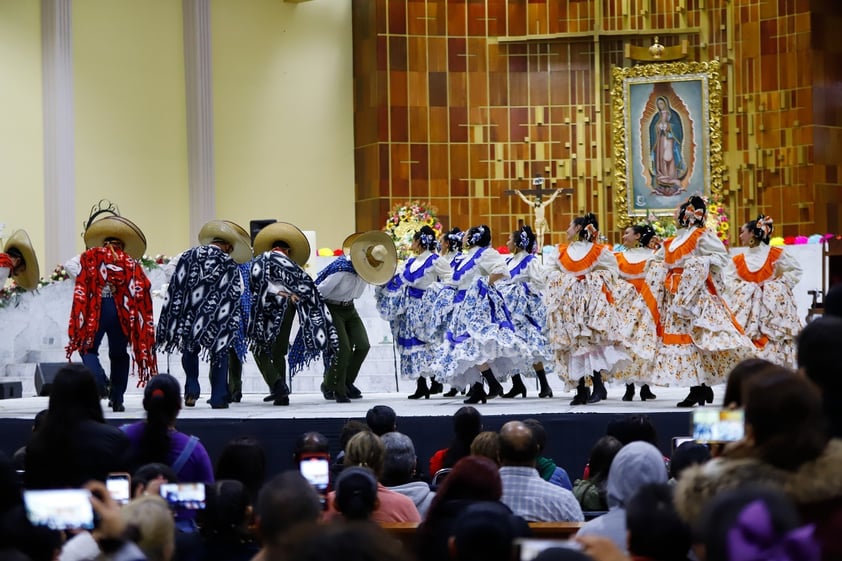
<point>494,386</point>
<point>327,392</point>
<point>546,390</point>
<point>517,387</point>
<point>646,393</point>
<point>281,392</point>
<point>421,389</point>
<point>476,395</point>
<point>599,392</point>
<point>696,396</point>
<point>435,387</point>
<point>581,393</point>
<point>629,395</point>
<point>706,393</point>
<point>451,392</point>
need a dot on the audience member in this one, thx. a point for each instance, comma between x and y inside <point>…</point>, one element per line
<point>149,473</point>
<point>157,440</point>
<point>473,479</point>
<point>635,465</point>
<point>655,531</point>
<point>786,448</point>
<point>547,468</point>
<point>686,455</point>
<point>381,419</point>
<point>524,491</point>
<point>485,531</point>
<point>399,471</point>
<point>633,428</point>
<point>356,493</point>
<point>153,521</point>
<point>285,502</point>
<point>833,301</point>
<point>487,445</point>
<point>567,554</point>
<point>753,523</point>
<point>365,449</point>
<point>244,460</point>
<point>19,459</point>
<point>739,377</point>
<point>591,491</point>
<point>354,541</point>
<point>349,429</point>
<point>819,358</point>
<point>75,444</point>
<point>225,523</point>
<point>467,424</point>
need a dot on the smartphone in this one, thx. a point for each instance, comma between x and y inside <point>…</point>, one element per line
<point>184,496</point>
<point>59,509</point>
<point>529,548</point>
<point>119,486</point>
<point>718,425</point>
<point>316,470</point>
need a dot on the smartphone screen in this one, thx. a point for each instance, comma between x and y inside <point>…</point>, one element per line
<point>119,486</point>
<point>59,509</point>
<point>718,425</point>
<point>184,496</point>
<point>317,472</point>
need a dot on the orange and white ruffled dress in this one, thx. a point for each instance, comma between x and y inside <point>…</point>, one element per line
<point>582,322</point>
<point>701,340</point>
<point>762,301</point>
<point>636,299</point>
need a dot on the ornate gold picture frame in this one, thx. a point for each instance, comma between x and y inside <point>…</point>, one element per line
<point>666,126</point>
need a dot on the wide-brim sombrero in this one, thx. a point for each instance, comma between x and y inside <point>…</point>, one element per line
<point>373,255</point>
<point>134,242</point>
<point>232,233</point>
<point>299,247</point>
<point>29,278</point>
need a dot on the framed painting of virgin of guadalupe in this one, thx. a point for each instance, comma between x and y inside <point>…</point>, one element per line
<point>667,138</point>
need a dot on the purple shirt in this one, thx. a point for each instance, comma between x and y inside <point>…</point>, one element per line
<point>197,469</point>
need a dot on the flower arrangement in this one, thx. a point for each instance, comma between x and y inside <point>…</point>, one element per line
<point>406,219</point>
<point>664,226</point>
<point>717,219</point>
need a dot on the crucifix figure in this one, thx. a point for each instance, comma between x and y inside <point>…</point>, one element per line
<point>538,204</point>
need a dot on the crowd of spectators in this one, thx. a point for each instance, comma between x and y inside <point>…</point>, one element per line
<point>775,494</point>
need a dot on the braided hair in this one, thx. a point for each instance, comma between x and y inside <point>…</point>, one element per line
<point>692,212</point>
<point>453,239</point>
<point>524,238</point>
<point>478,236</point>
<point>761,228</point>
<point>426,238</point>
<point>589,225</point>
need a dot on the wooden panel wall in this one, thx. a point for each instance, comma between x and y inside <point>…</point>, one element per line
<point>457,101</point>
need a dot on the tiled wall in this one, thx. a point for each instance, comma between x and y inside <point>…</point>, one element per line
<point>458,101</point>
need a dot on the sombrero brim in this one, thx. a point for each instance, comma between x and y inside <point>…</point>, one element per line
<point>232,233</point>
<point>299,247</point>
<point>379,273</point>
<point>134,242</point>
<point>30,277</point>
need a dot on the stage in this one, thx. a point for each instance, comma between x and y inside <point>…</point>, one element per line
<point>571,430</point>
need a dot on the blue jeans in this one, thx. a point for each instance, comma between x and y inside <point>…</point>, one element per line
<point>109,324</point>
<point>218,377</point>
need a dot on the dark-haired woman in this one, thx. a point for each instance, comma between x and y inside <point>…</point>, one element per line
<point>401,303</point>
<point>761,298</point>
<point>701,340</point>
<point>479,337</point>
<point>582,322</point>
<point>524,297</point>
<point>637,304</point>
<point>156,440</point>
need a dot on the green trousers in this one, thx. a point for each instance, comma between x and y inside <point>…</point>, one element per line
<point>353,348</point>
<point>273,366</point>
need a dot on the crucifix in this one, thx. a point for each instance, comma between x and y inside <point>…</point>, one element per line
<point>538,204</point>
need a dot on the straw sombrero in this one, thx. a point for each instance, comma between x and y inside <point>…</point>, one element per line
<point>20,241</point>
<point>373,254</point>
<point>299,247</point>
<point>232,233</point>
<point>134,242</point>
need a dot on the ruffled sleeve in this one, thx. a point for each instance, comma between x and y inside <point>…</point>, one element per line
<point>711,247</point>
<point>607,261</point>
<point>492,263</point>
<point>789,269</point>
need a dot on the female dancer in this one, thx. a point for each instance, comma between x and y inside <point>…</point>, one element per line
<point>523,295</point>
<point>701,339</point>
<point>582,323</point>
<point>479,335</point>
<point>640,319</point>
<point>400,303</point>
<point>762,299</point>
